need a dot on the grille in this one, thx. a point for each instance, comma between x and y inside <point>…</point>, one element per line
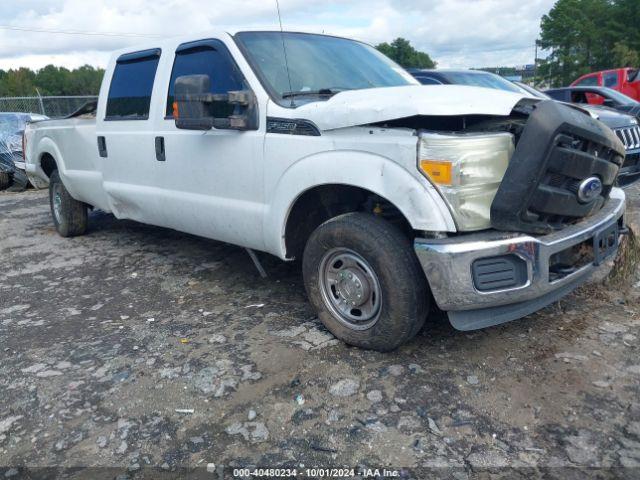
<point>629,136</point>
<point>558,150</point>
<point>572,159</point>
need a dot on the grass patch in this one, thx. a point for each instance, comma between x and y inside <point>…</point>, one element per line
<point>626,263</point>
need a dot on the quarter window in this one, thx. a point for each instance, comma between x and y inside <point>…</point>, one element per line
<point>131,86</point>
<point>207,57</point>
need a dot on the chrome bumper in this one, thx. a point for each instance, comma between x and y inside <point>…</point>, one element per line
<point>447,264</point>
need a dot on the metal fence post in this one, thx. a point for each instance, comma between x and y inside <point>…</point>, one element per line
<point>40,102</point>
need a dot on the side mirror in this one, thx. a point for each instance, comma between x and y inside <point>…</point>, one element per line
<point>195,108</point>
<point>609,103</point>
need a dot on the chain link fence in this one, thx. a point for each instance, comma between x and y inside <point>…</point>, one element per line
<point>53,107</point>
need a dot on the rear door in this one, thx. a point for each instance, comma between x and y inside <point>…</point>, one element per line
<point>212,181</point>
<point>125,138</point>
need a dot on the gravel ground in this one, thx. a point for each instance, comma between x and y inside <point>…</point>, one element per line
<point>147,350</point>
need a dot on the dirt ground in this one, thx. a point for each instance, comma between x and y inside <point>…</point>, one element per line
<point>146,350</point>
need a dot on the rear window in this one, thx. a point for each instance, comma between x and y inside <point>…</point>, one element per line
<point>207,57</point>
<point>131,86</point>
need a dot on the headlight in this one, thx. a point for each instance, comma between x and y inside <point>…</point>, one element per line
<point>467,170</point>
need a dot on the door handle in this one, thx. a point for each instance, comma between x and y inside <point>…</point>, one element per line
<point>160,153</point>
<point>102,147</point>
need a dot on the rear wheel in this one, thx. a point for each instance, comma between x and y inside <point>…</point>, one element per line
<point>70,216</point>
<point>363,278</point>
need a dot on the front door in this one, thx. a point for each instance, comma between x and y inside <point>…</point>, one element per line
<point>212,182</point>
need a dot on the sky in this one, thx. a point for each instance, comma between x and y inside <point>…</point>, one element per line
<point>456,33</point>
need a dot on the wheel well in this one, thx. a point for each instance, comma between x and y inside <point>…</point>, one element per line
<point>321,203</point>
<point>48,164</point>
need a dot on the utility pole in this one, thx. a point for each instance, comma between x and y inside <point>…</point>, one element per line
<point>535,65</point>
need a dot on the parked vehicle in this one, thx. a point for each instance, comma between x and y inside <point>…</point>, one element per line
<point>596,96</point>
<point>624,80</point>
<point>473,78</point>
<point>12,174</point>
<point>391,193</point>
<point>625,127</point>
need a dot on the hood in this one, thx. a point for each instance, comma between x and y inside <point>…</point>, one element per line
<point>361,107</point>
<point>610,117</point>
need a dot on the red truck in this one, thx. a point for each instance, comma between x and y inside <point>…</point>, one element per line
<point>624,80</point>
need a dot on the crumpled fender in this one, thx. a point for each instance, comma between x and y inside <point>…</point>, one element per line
<point>418,201</point>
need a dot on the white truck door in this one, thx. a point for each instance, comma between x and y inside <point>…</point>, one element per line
<point>125,138</point>
<point>212,181</point>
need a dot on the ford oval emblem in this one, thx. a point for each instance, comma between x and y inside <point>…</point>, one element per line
<point>589,189</point>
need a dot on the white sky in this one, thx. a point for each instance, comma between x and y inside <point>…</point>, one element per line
<point>456,33</point>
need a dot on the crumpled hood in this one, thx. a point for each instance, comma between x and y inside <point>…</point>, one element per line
<point>361,107</point>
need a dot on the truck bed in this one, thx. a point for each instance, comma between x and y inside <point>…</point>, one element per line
<point>72,142</point>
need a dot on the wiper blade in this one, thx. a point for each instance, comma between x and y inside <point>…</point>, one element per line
<point>321,91</point>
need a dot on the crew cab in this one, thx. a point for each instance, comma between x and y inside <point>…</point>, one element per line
<point>492,203</point>
<point>624,80</point>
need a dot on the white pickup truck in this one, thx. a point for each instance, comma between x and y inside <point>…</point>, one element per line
<point>315,147</point>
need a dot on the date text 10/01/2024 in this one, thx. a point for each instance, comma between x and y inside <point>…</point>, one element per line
<point>316,473</point>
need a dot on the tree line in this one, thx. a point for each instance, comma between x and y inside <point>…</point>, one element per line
<point>588,35</point>
<point>50,80</point>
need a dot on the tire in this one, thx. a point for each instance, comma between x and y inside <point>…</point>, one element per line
<point>5,180</point>
<point>70,216</point>
<point>19,182</point>
<point>380,259</point>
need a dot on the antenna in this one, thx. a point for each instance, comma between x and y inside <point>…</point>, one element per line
<point>284,50</point>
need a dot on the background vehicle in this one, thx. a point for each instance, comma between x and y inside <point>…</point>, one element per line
<point>12,167</point>
<point>474,78</point>
<point>624,80</point>
<point>596,96</point>
<point>384,188</point>
<point>625,127</point>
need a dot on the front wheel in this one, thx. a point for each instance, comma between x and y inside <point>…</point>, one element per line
<point>364,280</point>
<point>70,216</point>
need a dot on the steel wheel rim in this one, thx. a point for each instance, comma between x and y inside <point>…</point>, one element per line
<point>57,203</point>
<point>350,288</point>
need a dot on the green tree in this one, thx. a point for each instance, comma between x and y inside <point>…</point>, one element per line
<point>625,56</point>
<point>17,83</point>
<point>402,52</point>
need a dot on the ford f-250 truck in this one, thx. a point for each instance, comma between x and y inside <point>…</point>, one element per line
<point>392,194</point>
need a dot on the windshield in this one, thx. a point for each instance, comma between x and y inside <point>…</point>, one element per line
<point>319,65</point>
<point>480,79</point>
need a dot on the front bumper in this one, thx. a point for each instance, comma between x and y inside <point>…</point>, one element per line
<point>448,263</point>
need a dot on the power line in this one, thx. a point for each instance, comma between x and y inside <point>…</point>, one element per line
<point>79,32</point>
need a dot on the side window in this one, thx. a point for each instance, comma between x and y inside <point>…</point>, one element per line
<point>131,86</point>
<point>611,79</point>
<point>591,81</point>
<point>208,57</point>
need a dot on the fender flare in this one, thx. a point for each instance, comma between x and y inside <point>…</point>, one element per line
<point>417,200</point>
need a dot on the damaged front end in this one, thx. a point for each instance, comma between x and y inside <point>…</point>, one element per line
<point>554,217</point>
